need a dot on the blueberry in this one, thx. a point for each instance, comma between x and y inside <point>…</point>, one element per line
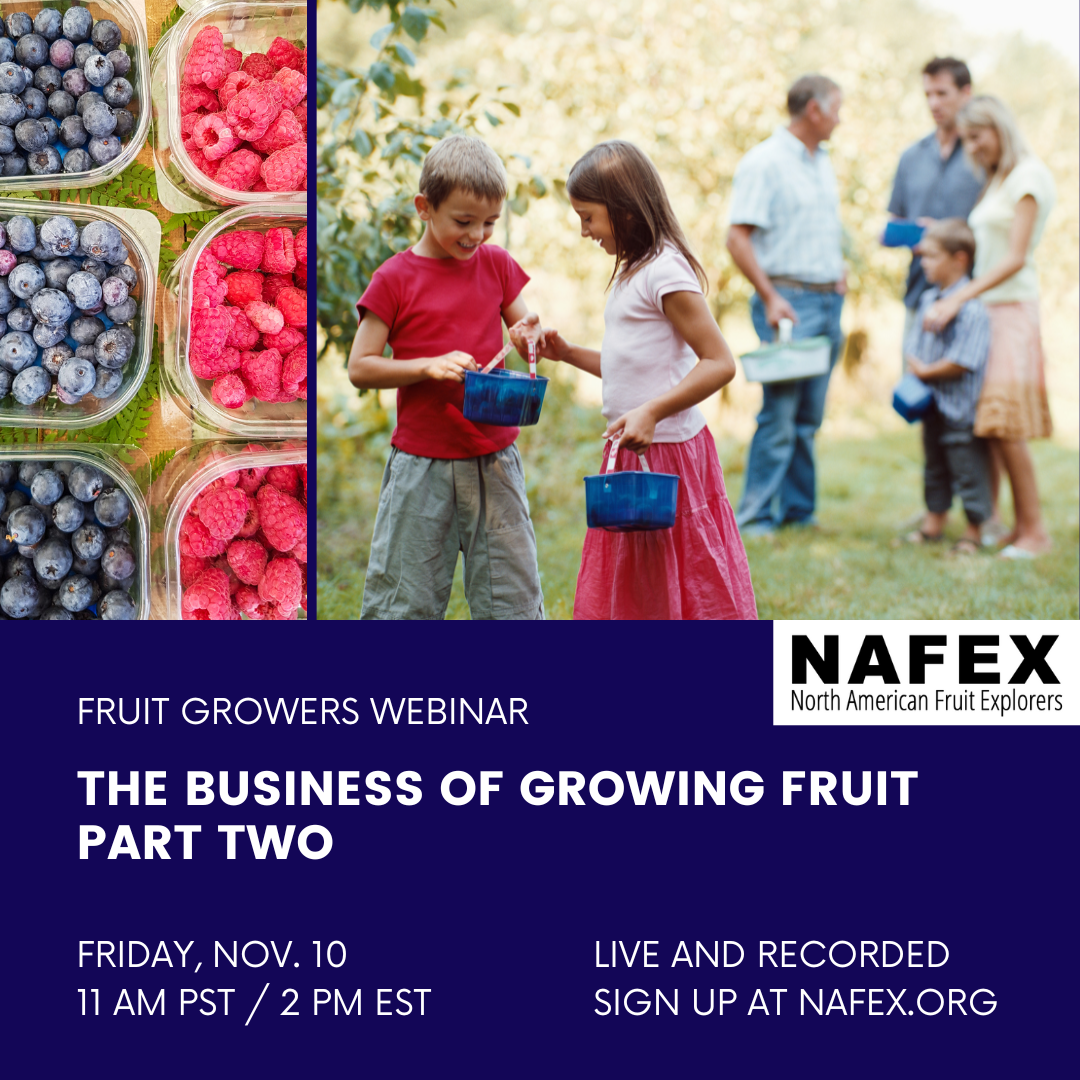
<point>7,50</point>
<point>118,561</point>
<point>105,149</point>
<point>98,118</point>
<point>52,561</point>
<point>25,280</point>
<point>31,385</point>
<point>98,69</point>
<point>74,82</point>
<point>122,313</point>
<point>83,288</point>
<point>83,52</point>
<point>36,254</point>
<point>61,105</point>
<point>106,35</point>
<point>12,79</point>
<point>19,566</point>
<point>68,513</point>
<point>20,596</point>
<point>77,24</point>
<point>121,62</point>
<point>30,135</point>
<point>125,124</point>
<point>85,100</point>
<point>60,235</point>
<point>103,241</point>
<point>113,348</point>
<point>8,475</point>
<point>113,509</point>
<point>27,524</point>
<point>73,132</point>
<point>52,129</point>
<point>86,352</point>
<point>32,50</point>
<point>5,384</point>
<point>14,165</point>
<point>21,319</point>
<point>88,541</point>
<point>49,24</point>
<point>35,102</point>
<point>77,161</point>
<point>19,23</point>
<point>94,266</point>
<point>128,275</point>
<point>45,162</point>
<point>29,469</point>
<point>116,605</point>
<point>52,356</point>
<point>48,335</point>
<point>86,567</point>
<point>76,592</point>
<point>7,300</point>
<point>47,487</point>
<point>12,109</point>
<point>117,92</point>
<point>85,482</point>
<point>56,614</point>
<point>76,376</point>
<point>47,79</point>
<point>62,54</point>
<point>57,272</point>
<point>7,139</point>
<point>107,383</point>
<point>22,233</point>
<point>114,291</point>
<point>17,351</point>
<point>51,307</point>
<point>86,329</point>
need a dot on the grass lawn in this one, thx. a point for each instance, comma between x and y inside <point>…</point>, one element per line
<point>852,567</point>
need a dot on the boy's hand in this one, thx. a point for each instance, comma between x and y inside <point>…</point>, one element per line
<point>526,330</point>
<point>451,367</point>
<point>916,367</point>
<point>636,429</point>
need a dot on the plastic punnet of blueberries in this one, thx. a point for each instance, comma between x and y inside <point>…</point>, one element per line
<point>64,92</point>
<point>66,316</point>
<point>65,549</point>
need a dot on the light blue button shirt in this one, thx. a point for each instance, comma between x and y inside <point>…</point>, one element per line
<point>789,196</point>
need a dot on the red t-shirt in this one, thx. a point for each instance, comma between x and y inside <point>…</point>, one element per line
<point>434,306</point>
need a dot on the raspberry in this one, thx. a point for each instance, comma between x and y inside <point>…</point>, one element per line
<point>209,329</point>
<point>252,111</point>
<point>235,583</point>
<point>239,170</point>
<point>248,560</point>
<point>196,98</point>
<point>251,522</point>
<point>294,372</point>
<point>261,372</point>
<point>207,290</point>
<point>215,136</point>
<point>229,391</point>
<point>206,64</point>
<point>303,476</point>
<point>208,262</point>
<point>188,122</point>
<point>284,522</point>
<point>300,112</point>
<point>279,256</point>
<point>285,478</point>
<point>285,54</point>
<point>266,319</point>
<point>284,342</point>
<point>251,479</point>
<point>234,58</point>
<point>259,185</point>
<point>286,170</point>
<point>258,66</point>
<point>242,249</point>
<point>243,335</point>
<point>299,553</point>
<point>195,539</point>
<point>191,566</point>
<point>281,584</point>
<point>294,84</point>
<point>208,597</point>
<point>247,600</point>
<point>244,286</point>
<point>283,131</point>
<point>223,512</point>
<point>211,367</point>
<point>234,82</point>
<point>292,303</point>
<point>273,284</point>
<point>300,276</point>
<point>300,246</point>
<point>201,161</point>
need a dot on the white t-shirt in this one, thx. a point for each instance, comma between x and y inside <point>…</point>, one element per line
<point>643,355</point>
<point>992,219</point>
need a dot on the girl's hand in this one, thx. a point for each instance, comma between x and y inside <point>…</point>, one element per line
<point>451,367</point>
<point>636,429</point>
<point>941,313</point>
<point>553,346</point>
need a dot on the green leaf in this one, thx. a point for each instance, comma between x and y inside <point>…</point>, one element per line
<point>378,39</point>
<point>511,107</point>
<point>172,19</point>
<point>405,55</point>
<point>362,143</point>
<point>345,91</point>
<point>381,75</point>
<point>494,121</point>
<point>414,21</point>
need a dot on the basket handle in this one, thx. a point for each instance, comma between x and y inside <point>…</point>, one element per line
<point>613,454</point>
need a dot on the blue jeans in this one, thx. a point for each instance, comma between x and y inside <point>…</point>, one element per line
<point>780,486</point>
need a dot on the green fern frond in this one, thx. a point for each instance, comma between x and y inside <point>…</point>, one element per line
<point>172,19</point>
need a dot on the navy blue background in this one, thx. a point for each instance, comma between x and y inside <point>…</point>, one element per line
<point>496,909</point>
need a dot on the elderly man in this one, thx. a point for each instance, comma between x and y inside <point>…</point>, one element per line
<point>934,179</point>
<point>785,237</point>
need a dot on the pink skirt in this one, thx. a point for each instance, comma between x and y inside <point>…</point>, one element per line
<point>695,570</point>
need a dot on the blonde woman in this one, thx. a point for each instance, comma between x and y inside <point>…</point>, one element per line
<point>1008,222</point>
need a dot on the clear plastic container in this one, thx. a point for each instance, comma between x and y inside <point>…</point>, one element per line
<point>249,27</point>
<point>51,412</point>
<point>177,488</point>
<point>189,396</point>
<point>133,479</point>
<point>133,42</point>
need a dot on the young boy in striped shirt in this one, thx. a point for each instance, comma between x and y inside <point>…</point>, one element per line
<point>951,363</point>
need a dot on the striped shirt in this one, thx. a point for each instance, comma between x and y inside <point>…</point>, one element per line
<point>789,196</point>
<point>965,342</point>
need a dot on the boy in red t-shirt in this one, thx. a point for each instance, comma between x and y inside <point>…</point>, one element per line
<point>450,485</point>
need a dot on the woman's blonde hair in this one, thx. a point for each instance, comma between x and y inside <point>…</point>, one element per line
<point>987,111</point>
<point>619,176</point>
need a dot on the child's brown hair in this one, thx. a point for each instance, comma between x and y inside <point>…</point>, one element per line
<point>953,235</point>
<point>462,162</point>
<point>620,177</point>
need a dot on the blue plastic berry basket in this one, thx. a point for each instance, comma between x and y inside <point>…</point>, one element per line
<point>630,501</point>
<point>900,233</point>
<point>505,398</point>
<point>911,398</point>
